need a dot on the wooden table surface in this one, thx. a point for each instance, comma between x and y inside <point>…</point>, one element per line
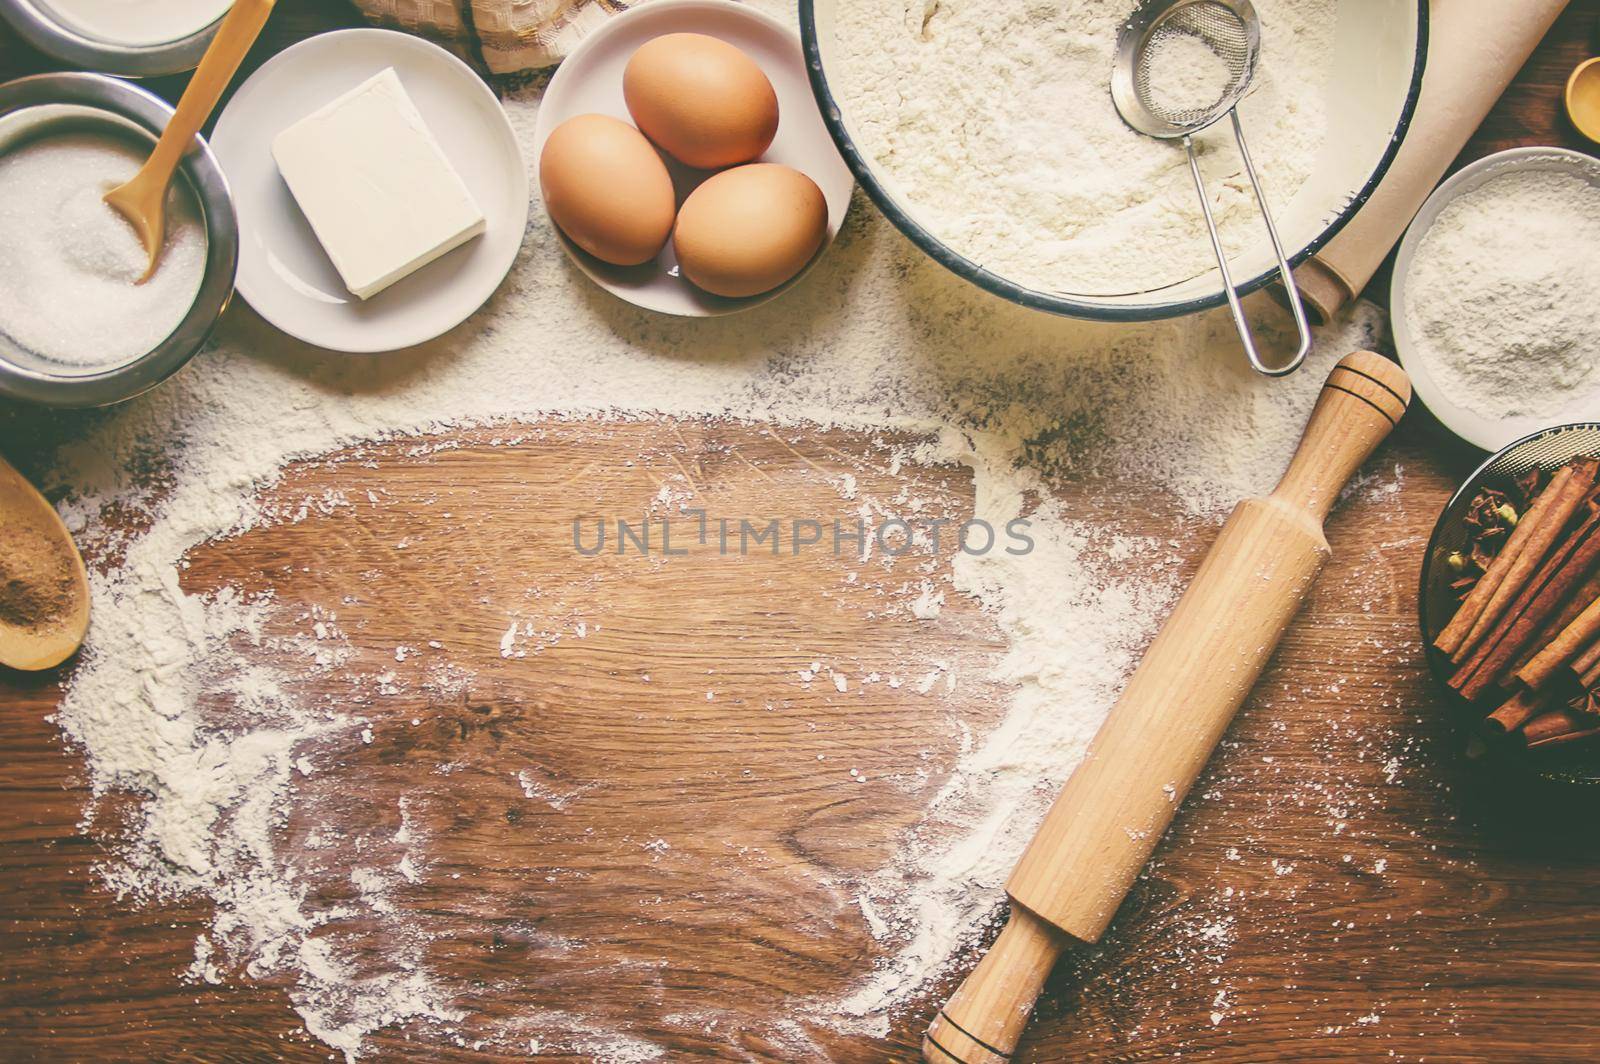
<point>1345,889</point>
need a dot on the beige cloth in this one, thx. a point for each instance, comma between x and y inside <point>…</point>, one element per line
<point>1475,48</point>
<point>504,35</point>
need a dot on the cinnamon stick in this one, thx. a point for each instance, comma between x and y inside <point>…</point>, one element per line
<point>1516,711</point>
<point>1575,603</point>
<point>1548,516</point>
<point>1591,679</point>
<point>1553,724</point>
<point>1484,594</point>
<point>1567,737</point>
<point>1570,565</point>
<point>1543,666</point>
<point>1587,660</point>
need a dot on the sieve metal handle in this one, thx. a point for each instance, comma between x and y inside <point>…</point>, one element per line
<point>1286,275</point>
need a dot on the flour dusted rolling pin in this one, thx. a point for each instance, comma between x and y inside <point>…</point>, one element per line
<point>1177,704</point>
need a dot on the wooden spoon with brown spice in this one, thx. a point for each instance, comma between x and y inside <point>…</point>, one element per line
<point>44,591</point>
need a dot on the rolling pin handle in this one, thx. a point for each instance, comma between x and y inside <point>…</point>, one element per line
<point>983,1021</point>
<point>1363,400</point>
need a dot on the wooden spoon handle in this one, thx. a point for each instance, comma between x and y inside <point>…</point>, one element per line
<point>239,30</point>
<point>1198,671</point>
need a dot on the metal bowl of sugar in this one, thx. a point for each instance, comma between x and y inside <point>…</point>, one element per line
<point>139,40</point>
<point>75,328</point>
<point>1547,449</point>
<point>955,140</point>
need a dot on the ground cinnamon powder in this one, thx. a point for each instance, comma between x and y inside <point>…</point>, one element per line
<point>36,576</point>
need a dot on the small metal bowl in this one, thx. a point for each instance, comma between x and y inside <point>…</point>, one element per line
<point>1549,449</point>
<point>35,22</point>
<point>57,103</point>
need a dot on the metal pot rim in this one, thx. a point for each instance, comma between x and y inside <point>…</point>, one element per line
<point>36,25</point>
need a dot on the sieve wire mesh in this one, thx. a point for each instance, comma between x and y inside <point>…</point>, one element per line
<point>1219,28</point>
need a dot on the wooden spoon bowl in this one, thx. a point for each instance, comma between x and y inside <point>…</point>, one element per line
<point>1582,98</point>
<point>44,590</point>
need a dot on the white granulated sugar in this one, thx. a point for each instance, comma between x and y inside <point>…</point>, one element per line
<point>69,263</point>
<point>995,120</point>
<point>163,704</point>
<point>1500,298</point>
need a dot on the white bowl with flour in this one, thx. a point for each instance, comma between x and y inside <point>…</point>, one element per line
<point>1494,299</point>
<point>986,133</point>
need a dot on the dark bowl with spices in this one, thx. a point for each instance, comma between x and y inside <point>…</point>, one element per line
<point>1510,606</point>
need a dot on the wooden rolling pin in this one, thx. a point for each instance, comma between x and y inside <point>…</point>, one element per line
<point>1197,672</point>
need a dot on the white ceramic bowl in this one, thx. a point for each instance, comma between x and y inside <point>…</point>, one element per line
<point>1488,433</point>
<point>1380,48</point>
<point>590,81</point>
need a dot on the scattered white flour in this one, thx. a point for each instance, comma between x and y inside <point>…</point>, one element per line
<point>994,118</point>
<point>163,706</point>
<point>69,264</point>
<point>1501,297</point>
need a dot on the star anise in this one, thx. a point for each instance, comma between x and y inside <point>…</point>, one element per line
<point>1588,703</point>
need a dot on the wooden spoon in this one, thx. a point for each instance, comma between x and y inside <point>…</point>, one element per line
<point>44,591</point>
<point>143,200</point>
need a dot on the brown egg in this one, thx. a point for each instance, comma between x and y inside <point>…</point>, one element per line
<point>607,189</point>
<point>705,102</point>
<point>749,229</point>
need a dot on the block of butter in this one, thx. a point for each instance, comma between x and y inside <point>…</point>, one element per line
<point>375,186</point>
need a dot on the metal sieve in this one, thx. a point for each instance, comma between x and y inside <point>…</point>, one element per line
<point>1232,32</point>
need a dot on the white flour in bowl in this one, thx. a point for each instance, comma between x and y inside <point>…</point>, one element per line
<point>995,120</point>
<point>1185,73</point>
<point>1501,297</point>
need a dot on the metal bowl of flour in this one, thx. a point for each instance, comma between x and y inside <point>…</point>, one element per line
<point>49,104</point>
<point>1379,49</point>
<point>137,40</point>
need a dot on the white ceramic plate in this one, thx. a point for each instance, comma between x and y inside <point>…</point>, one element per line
<point>590,82</point>
<point>284,272</point>
<point>1489,433</point>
